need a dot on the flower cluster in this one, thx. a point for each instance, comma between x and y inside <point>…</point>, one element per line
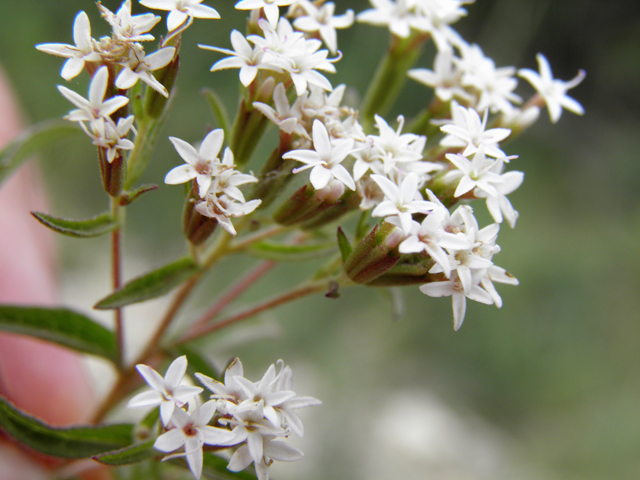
<point>117,63</point>
<point>217,181</point>
<point>409,181</point>
<point>424,16</point>
<point>252,417</point>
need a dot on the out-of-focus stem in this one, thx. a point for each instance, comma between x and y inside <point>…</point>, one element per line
<point>304,290</point>
<point>234,292</point>
<point>390,77</point>
<point>117,212</point>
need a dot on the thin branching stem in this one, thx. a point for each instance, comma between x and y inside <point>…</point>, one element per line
<point>304,290</point>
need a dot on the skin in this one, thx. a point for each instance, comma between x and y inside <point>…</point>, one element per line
<point>28,277</point>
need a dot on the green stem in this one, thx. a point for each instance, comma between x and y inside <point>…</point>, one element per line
<point>247,131</point>
<point>117,212</point>
<point>304,290</point>
<point>390,77</point>
<point>254,275</point>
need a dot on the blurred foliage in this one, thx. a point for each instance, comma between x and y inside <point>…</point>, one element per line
<point>557,368</point>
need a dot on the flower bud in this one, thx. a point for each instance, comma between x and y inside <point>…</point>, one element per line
<point>347,202</point>
<point>410,270</point>
<point>197,227</point>
<point>113,174</point>
<point>304,204</point>
<point>376,254</point>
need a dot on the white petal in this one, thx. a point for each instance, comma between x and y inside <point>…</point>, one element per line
<point>320,177</point>
<point>72,68</point>
<point>167,409</point>
<point>153,378</point>
<point>193,449</point>
<point>146,399</point>
<point>180,174</point>
<point>255,444</point>
<point>343,175</point>
<point>240,460</point>
<point>185,150</point>
<point>126,79</point>
<point>98,86</point>
<point>281,451</point>
<point>175,372</point>
<point>170,441</point>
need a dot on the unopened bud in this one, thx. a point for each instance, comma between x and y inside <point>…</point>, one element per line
<point>113,174</point>
<point>197,227</point>
<point>376,254</point>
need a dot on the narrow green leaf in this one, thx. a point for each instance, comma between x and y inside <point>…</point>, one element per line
<point>219,110</point>
<point>73,442</point>
<point>152,285</point>
<point>61,326</point>
<point>216,467</point>
<point>93,227</point>
<point>128,197</point>
<point>290,253</point>
<point>345,246</point>
<point>132,454</point>
<point>32,140</point>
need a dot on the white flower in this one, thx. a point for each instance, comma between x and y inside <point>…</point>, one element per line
<point>321,20</point>
<point>453,288</point>
<point>394,147</point>
<point>325,159</point>
<point>495,85</point>
<point>181,10</point>
<point>192,432</point>
<point>553,91</point>
<point>430,236</point>
<point>230,393</point>
<point>139,67</point>
<point>445,77</point>
<point>96,107</point>
<point>111,136</point>
<point>243,56</point>
<point>288,119</point>
<point>129,28</point>
<point>477,173</point>
<point>201,165</point>
<point>167,392</point>
<point>291,52</point>
<point>403,200</point>
<point>224,207</point>
<point>79,54</point>
<point>468,131</point>
<point>227,181</point>
<point>270,7</point>
<point>499,205</point>
<point>396,16</point>
<point>271,450</point>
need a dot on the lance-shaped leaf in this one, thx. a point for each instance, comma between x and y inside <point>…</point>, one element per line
<point>92,227</point>
<point>62,326</point>
<point>343,243</point>
<point>126,198</point>
<point>132,454</point>
<point>73,442</point>
<point>290,253</point>
<point>32,140</point>
<point>151,285</point>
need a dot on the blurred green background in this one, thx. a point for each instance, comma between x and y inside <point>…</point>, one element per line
<point>548,387</point>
